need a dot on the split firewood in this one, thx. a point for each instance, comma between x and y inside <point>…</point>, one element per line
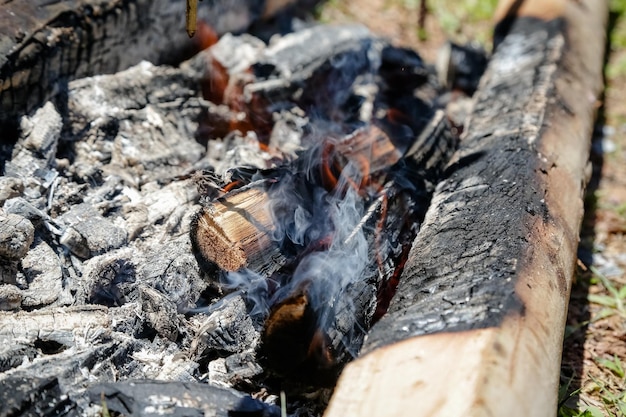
<point>236,232</point>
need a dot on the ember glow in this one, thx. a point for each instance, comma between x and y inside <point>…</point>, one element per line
<point>316,238</point>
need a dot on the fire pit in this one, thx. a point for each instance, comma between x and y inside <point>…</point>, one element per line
<point>208,237</point>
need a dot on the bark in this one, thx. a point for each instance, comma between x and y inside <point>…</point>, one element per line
<point>481,305</point>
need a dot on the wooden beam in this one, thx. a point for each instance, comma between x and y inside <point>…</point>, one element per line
<point>476,326</point>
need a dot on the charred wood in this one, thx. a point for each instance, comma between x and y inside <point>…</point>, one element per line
<point>61,326</point>
<point>302,335</point>
<point>44,46</point>
<point>106,182</point>
<point>143,398</point>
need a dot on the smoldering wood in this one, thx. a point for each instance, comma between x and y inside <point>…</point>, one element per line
<point>122,152</point>
<point>295,341</point>
<point>110,173</point>
<point>237,230</point>
<point>218,229</point>
<point>489,275</point>
<point>44,46</point>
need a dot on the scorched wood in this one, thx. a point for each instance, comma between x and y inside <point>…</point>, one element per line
<point>477,323</point>
<point>43,44</point>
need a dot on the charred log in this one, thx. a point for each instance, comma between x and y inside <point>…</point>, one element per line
<point>44,46</point>
<point>488,277</point>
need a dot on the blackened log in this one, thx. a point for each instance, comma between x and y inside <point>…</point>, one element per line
<point>155,398</point>
<point>43,44</point>
<point>476,326</point>
<point>35,396</point>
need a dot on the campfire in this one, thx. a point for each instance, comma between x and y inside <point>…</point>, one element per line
<point>242,219</point>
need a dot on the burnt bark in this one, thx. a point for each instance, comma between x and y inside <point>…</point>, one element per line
<point>461,273</point>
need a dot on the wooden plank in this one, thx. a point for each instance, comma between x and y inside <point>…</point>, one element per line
<point>476,326</point>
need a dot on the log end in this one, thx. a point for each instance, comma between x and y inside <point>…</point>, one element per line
<point>212,246</point>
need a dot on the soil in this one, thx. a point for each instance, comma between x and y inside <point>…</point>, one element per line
<point>596,326</point>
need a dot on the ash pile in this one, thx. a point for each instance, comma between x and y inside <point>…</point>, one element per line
<point>196,239</point>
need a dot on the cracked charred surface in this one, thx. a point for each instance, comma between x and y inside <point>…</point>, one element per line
<point>462,270</point>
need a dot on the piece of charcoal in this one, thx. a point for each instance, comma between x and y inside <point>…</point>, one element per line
<point>36,148</point>
<point>24,208</point>
<point>228,328</point>
<point>34,396</point>
<point>107,279</point>
<point>88,233</point>
<point>16,236</point>
<point>10,187</point>
<point>43,274</point>
<point>10,296</point>
<point>14,354</point>
<point>172,269</point>
<point>235,370</point>
<point>160,312</point>
<point>155,398</point>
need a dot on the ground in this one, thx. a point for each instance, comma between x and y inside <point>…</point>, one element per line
<point>593,370</point>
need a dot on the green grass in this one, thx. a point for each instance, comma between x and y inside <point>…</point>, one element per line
<point>456,17</point>
<point>611,301</point>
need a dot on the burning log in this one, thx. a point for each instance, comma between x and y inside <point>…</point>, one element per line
<point>235,233</point>
<point>303,335</point>
<point>392,162</point>
<point>481,305</point>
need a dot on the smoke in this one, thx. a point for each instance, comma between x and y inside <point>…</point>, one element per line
<point>328,206</point>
